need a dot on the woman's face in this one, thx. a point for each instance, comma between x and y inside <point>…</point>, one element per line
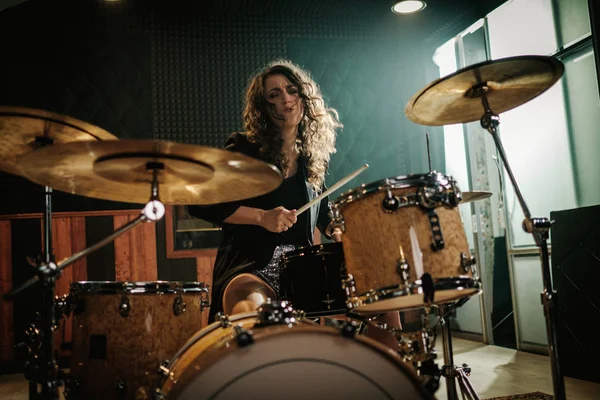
<point>285,98</point>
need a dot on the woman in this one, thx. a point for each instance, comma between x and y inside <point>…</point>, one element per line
<point>287,124</point>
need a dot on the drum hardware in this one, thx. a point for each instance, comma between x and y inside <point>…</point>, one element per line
<point>42,367</point>
<point>479,93</point>
<point>124,306</point>
<point>26,130</point>
<point>403,268</point>
<point>278,312</point>
<point>449,370</point>
<point>121,389</point>
<point>299,360</point>
<point>178,305</point>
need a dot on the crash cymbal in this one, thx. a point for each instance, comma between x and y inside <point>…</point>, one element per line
<point>507,83</point>
<point>120,170</point>
<point>19,128</point>
<point>468,197</point>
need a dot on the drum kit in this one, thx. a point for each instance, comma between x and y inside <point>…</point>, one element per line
<point>403,248</point>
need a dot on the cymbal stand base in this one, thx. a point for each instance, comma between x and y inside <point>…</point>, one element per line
<point>451,371</point>
<point>539,228</point>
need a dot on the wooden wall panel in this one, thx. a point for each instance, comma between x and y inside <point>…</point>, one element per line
<point>204,268</point>
<point>135,251</point>
<point>6,307</point>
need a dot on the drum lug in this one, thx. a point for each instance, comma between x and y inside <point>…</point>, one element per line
<point>436,231</point>
<point>204,302</point>
<point>468,263</point>
<point>121,388</point>
<point>390,203</point>
<point>243,336</point>
<point>124,307</point>
<point>159,395</point>
<point>403,268</point>
<point>178,305</point>
<point>164,370</point>
<point>349,285</point>
<point>223,320</point>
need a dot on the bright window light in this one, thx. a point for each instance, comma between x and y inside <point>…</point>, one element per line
<point>408,6</point>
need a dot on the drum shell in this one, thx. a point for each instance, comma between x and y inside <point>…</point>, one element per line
<point>311,279</point>
<point>109,347</point>
<point>372,239</point>
<point>216,347</point>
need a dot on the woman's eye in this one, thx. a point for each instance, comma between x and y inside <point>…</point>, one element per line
<point>293,90</point>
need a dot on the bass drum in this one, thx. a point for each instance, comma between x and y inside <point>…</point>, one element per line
<point>249,356</point>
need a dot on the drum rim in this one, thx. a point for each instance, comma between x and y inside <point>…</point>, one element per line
<point>396,182</point>
<point>138,287</point>
<point>303,250</point>
<point>373,296</point>
<point>199,335</point>
<point>312,328</point>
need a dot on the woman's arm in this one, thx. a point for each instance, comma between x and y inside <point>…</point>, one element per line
<point>275,220</point>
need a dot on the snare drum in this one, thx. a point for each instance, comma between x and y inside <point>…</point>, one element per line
<point>404,244</point>
<point>122,331</point>
<point>311,280</point>
<point>257,356</point>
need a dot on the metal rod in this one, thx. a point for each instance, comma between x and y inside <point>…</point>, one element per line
<point>539,228</point>
<point>428,151</point>
<point>448,368</point>
<point>80,254</point>
<point>48,225</point>
<point>549,302</point>
<point>103,242</point>
<point>491,126</point>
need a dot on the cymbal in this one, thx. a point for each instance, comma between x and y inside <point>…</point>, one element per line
<point>20,126</point>
<point>120,170</point>
<point>507,83</point>
<point>468,197</point>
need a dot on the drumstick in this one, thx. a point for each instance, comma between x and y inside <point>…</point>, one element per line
<point>331,189</point>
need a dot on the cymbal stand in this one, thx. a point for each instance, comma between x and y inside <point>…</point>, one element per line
<point>46,371</point>
<point>539,227</point>
<point>449,370</point>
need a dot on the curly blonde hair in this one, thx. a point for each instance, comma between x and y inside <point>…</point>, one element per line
<point>316,131</point>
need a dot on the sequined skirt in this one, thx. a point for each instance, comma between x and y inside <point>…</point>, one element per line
<point>270,273</point>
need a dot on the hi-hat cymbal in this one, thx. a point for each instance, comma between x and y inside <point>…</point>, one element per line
<point>507,83</point>
<point>19,128</point>
<point>468,197</point>
<point>120,170</point>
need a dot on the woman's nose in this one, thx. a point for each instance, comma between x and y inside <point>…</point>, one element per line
<point>286,98</point>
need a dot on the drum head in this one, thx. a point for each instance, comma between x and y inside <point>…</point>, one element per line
<point>302,363</point>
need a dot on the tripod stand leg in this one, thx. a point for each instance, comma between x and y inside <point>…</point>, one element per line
<point>466,388</point>
<point>450,371</point>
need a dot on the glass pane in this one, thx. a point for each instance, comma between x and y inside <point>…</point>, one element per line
<point>583,107</point>
<point>534,134</point>
<point>513,31</point>
<point>528,286</point>
<point>572,20</point>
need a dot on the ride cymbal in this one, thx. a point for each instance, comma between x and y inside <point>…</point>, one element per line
<point>122,170</point>
<point>507,83</point>
<point>19,128</point>
<point>468,197</point>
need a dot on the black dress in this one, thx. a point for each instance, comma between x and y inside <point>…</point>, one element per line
<point>251,248</point>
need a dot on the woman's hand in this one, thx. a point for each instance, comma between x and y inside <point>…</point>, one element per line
<point>336,235</point>
<point>278,219</point>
